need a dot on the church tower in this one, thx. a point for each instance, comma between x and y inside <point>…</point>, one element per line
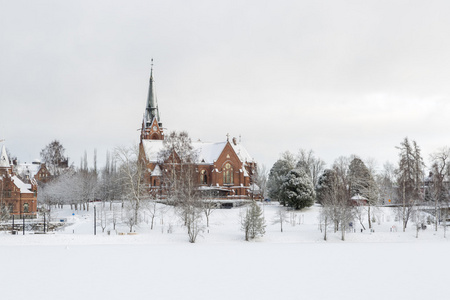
<point>151,124</point>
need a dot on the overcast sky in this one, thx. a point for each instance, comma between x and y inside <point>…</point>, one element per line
<point>338,77</point>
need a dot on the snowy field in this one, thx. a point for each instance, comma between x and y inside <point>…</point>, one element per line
<point>154,264</point>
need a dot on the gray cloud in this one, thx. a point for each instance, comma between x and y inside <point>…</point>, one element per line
<point>340,77</point>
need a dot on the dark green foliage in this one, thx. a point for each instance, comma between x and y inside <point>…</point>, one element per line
<point>297,190</point>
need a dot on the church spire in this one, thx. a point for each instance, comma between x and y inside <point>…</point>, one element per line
<point>151,110</point>
<point>151,125</point>
<point>4,160</point>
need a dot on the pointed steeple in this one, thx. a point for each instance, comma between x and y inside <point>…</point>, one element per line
<point>151,125</point>
<point>4,160</point>
<point>151,110</point>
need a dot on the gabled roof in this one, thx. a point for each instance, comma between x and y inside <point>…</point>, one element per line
<point>157,171</point>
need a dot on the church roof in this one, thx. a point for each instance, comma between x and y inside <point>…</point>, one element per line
<point>207,153</point>
<point>4,160</point>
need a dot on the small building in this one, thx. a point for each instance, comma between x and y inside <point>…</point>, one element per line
<point>359,200</point>
<point>18,197</point>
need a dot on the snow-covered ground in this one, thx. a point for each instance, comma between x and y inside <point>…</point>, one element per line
<point>154,264</point>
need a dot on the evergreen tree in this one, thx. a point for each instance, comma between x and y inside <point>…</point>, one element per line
<point>362,183</point>
<point>277,173</point>
<point>253,223</point>
<point>297,190</point>
<point>409,175</point>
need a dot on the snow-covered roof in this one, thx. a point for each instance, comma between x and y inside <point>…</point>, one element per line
<point>24,188</point>
<point>207,153</point>
<point>358,197</point>
<point>152,148</point>
<point>157,171</point>
<point>28,169</point>
<point>4,160</point>
<point>241,152</point>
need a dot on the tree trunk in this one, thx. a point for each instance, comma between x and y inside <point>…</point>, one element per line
<point>368,216</point>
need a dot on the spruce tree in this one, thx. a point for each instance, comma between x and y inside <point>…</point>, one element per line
<point>297,190</point>
<point>253,223</point>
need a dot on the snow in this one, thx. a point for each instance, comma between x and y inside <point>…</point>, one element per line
<point>27,169</point>
<point>154,264</point>
<point>24,187</point>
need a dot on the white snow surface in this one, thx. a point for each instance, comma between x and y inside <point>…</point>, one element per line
<point>295,264</point>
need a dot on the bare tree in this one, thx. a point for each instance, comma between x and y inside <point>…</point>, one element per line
<point>259,178</point>
<point>115,217</point>
<point>281,216</point>
<point>436,189</point>
<point>334,195</point>
<point>209,205</point>
<point>386,184</point>
<point>102,216</point>
<point>152,208</point>
<point>177,161</point>
<point>54,158</point>
<point>312,165</point>
<point>130,218</point>
<point>131,170</point>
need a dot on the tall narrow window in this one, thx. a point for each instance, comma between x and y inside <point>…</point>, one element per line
<point>25,208</point>
<point>227,174</point>
<point>203,177</point>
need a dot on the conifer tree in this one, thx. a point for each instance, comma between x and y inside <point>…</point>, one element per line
<point>253,223</point>
<point>297,190</point>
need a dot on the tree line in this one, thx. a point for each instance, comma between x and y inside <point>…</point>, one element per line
<point>350,188</point>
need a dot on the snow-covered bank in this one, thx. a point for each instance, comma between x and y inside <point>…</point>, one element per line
<point>295,264</point>
<point>226,271</point>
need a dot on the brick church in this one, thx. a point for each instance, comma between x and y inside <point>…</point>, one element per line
<point>224,169</point>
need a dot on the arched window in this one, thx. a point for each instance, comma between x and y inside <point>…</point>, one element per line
<point>203,177</point>
<point>25,208</point>
<point>227,174</point>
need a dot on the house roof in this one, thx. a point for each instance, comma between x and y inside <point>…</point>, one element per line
<point>358,197</point>
<point>27,169</point>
